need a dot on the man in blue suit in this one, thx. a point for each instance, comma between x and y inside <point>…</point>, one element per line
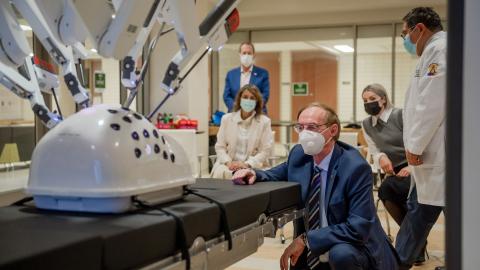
<point>341,230</point>
<point>247,73</point>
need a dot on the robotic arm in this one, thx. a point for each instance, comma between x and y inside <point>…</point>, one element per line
<point>214,31</point>
<point>28,88</point>
<point>117,29</point>
<point>14,53</point>
<point>120,31</point>
<point>61,54</point>
<point>120,28</point>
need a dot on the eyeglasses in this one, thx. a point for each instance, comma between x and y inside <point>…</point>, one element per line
<point>404,35</point>
<point>310,126</point>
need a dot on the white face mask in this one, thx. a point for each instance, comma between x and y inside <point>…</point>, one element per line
<point>246,60</point>
<point>312,142</point>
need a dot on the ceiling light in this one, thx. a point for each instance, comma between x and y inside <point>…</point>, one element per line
<point>93,50</point>
<point>344,48</point>
<point>25,27</point>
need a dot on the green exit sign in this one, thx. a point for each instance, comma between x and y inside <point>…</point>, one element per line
<point>299,89</point>
<point>100,81</point>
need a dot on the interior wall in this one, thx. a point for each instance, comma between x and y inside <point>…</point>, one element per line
<point>270,62</point>
<point>319,70</point>
<point>372,68</point>
<point>228,59</point>
<point>345,87</point>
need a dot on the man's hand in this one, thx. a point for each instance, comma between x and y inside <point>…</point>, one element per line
<point>244,177</point>
<point>386,164</point>
<point>405,172</point>
<point>292,252</point>
<point>237,165</point>
<point>413,159</point>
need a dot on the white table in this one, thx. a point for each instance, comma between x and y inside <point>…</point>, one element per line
<point>187,138</point>
<point>12,186</point>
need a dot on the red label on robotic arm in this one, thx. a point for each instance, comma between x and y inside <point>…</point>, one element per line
<point>233,21</point>
<point>44,65</point>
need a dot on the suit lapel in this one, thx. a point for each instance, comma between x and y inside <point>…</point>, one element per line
<point>332,173</point>
<point>236,80</point>
<point>254,75</point>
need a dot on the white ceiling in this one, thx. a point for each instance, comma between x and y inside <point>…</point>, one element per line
<point>250,8</point>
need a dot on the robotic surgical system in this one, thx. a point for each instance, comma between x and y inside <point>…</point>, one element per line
<point>105,182</point>
<point>100,157</point>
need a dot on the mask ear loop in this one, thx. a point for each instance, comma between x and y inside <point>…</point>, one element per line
<point>329,139</point>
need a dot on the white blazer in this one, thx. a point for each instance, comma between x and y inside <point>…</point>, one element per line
<point>424,121</point>
<point>259,145</point>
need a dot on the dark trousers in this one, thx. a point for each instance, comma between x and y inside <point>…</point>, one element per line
<point>414,230</point>
<point>341,257</point>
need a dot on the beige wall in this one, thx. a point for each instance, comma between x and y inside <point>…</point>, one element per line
<point>319,70</point>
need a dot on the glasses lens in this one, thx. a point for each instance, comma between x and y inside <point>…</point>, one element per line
<point>298,128</point>
<point>311,126</point>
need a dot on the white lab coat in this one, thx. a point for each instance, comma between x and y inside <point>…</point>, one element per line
<point>424,121</point>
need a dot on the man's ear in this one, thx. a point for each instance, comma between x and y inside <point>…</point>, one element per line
<point>421,27</point>
<point>334,130</point>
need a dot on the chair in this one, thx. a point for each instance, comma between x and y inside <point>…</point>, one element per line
<point>378,179</point>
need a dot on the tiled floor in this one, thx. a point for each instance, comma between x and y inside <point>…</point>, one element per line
<point>269,253</point>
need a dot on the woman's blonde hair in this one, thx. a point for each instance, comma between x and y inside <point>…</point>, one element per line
<point>379,90</point>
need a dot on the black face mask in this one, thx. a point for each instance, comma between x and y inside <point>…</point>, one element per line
<point>372,108</point>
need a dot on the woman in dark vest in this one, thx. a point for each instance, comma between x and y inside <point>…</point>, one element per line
<point>383,131</point>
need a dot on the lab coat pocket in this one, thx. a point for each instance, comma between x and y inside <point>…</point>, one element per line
<point>430,183</point>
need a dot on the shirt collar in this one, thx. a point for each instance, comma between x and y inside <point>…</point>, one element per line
<point>383,116</point>
<point>249,70</point>
<point>439,34</point>
<point>238,117</point>
<point>325,162</point>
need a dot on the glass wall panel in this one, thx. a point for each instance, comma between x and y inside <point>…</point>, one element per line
<point>374,61</point>
<point>322,57</point>
<point>405,64</point>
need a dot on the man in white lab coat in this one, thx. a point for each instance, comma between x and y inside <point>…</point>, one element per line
<point>424,130</point>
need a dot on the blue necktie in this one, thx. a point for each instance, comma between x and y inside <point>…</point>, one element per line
<point>314,214</point>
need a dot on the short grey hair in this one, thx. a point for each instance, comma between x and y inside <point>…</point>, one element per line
<point>380,91</point>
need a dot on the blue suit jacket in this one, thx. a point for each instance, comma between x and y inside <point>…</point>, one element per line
<point>349,202</point>
<point>259,78</point>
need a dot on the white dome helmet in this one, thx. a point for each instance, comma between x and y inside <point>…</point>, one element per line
<point>99,158</point>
